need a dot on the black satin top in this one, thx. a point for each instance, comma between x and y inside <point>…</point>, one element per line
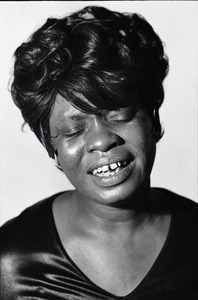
<point>34,264</point>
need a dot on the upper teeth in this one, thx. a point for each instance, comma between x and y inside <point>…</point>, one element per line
<point>106,168</point>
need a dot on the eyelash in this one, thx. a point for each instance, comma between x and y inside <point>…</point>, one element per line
<point>69,135</point>
<point>74,134</point>
<point>128,118</point>
<point>123,121</point>
<point>125,118</point>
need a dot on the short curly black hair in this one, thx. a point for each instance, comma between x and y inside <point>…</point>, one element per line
<point>112,59</point>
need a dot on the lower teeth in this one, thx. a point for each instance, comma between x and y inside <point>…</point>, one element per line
<point>108,173</point>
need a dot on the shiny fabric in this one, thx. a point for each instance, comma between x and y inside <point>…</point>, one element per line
<point>34,264</point>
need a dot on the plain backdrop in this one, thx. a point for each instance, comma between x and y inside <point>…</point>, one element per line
<point>29,175</point>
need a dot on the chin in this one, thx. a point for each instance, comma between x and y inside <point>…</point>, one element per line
<point>117,195</point>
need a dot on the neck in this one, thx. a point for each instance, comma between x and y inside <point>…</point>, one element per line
<point>107,219</point>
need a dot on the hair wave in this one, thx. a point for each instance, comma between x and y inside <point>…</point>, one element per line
<point>112,59</point>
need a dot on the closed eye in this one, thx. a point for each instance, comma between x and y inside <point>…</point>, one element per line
<point>122,117</point>
<point>71,133</point>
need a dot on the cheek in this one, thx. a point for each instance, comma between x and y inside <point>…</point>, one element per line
<point>69,157</point>
<point>142,143</point>
<point>147,152</point>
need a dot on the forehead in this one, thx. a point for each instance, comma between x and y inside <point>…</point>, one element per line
<point>63,110</point>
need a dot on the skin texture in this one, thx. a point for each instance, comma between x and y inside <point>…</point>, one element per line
<point>107,226</point>
<point>102,139</point>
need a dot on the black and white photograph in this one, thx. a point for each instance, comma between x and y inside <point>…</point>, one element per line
<point>98,150</point>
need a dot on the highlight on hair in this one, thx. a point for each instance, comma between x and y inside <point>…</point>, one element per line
<point>112,59</point>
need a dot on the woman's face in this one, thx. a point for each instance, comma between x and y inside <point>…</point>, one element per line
<point>107,157</point>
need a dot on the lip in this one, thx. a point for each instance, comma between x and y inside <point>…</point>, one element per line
<point>115,179</point>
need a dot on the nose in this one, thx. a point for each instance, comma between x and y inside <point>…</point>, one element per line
<point>102,138</point>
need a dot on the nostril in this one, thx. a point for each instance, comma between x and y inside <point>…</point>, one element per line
<point>103,142</point>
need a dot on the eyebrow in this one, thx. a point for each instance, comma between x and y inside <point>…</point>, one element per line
<point>76,117</point>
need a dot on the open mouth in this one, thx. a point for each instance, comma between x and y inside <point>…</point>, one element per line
<point>110,169</point>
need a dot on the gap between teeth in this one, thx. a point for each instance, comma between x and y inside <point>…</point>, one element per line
<point>108,169</point>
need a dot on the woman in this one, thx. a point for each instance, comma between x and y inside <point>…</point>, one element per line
<point>90,86</point>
